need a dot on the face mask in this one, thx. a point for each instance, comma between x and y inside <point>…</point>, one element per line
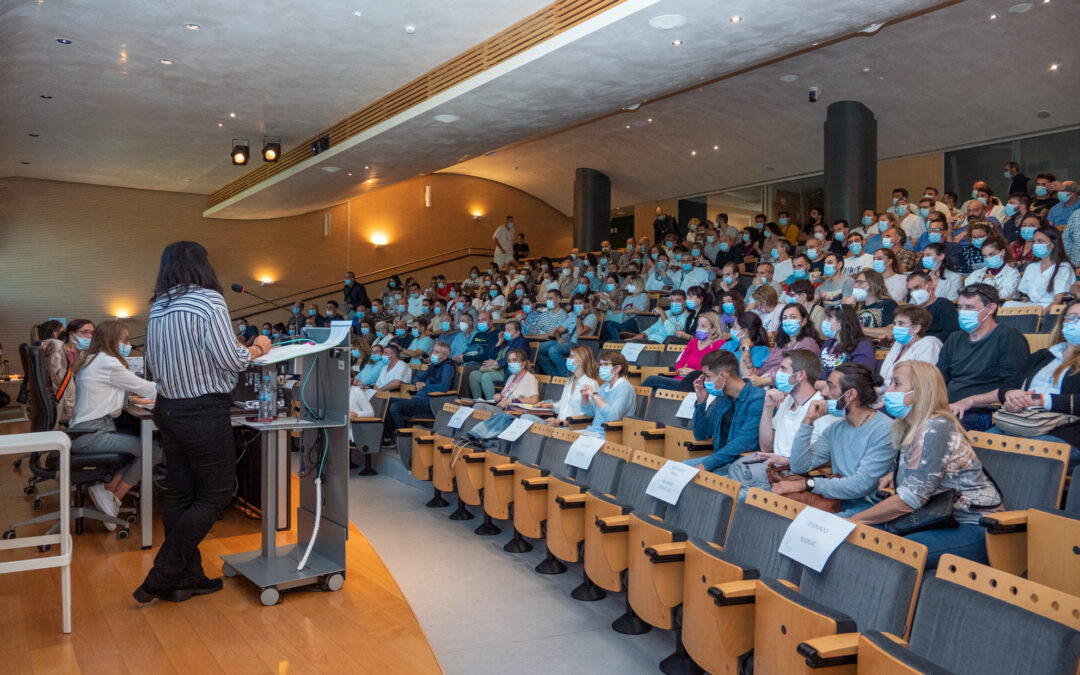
<point>686,267</point>
<point>934,237</point>
<point>401,309</point>
<point>924,212</point>
<point>691,303</point>
<point>295,310</point>
<point>241,326</point>
<point>550,304</point>
<point>1071,333</point>
<point>571,364</point>
<point>578,309</point>
<point>785,298</point>
<point>859,294</point>
<point>124,349</point>
<point>676,307</point>
<point>277,336</point>
<point>829,270</point>
<point>487,282</point>
<point>791,327</point>
<point>1041,191</point>
<point>710,239</point>
<point>292,331</point>
<point>983,200</point>
<point>695,252</point>
<point>969,320</point>
<point>855,248</point>
<point>669,245</point>
<point>901,210</point>
<point>977,242</point>
<point>453,295</point>
<point>886,242</point>
<point>1041,250</point>
<point>356,369</point>
<point>460,306</point>
<point>928,262</point>
<point>894,404</point>
<point>356,353</point>
<point>519,292</point>
<point>783,382</point>
<point>701,334</point>
<point>729,308</point>
<point>265,332</point>
<point>724,246</point>
<point>654,256</point>
<point>867,220</point>
<point>879,266</point>
<point>1027,233</point>
<point>882,225</point>
<point>642,248</point>
<point>514,367</point>
<point>995,261</point>
<point>364,330</point>
<point>399,331</point>
<point>426,310</point>
<point>590,275</point>
<point>82,343</point>
<point>759,226</point>
<point>762,281</point>
<point>783,222</point>
<point>445,326</point>
<point>820,236</point>
<point>605,373</point>
<point>394,283</point>
<point>775,253</point>
<point>799,274</point>
<point>566,271</point>
<point>311,312</point>
<point>746,237</point>
<point>631,289</point>
<point>507,336</point>
<point>728,280</point>
<point>581,288</point>
<point>526,308</point>
<point>1010,209</point>
<point>901,334</point>
<point>386,358</point>
<point>974,194</point>
<point>919,296</point>
<point>737,334</point>
<point>603,261</point>
<point>812,253</point>
<point>834,408</point>
<point>828,330</point>
<point>471,274</point>
<point>894,200</point>
<point>375,309</point>
<point>434,359</point>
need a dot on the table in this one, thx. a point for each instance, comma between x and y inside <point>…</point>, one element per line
<point>146,481</point>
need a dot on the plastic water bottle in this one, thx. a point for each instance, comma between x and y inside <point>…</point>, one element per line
<point>267,400</point>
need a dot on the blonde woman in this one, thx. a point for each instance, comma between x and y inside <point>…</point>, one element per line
<point>707,338</point>
<point>935,456</point>
<point>583,373</point>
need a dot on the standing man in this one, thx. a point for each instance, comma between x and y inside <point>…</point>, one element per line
<point>1018,182</point>
<point>504,243</point>
<point>355,293</point>
<point>191,350</point>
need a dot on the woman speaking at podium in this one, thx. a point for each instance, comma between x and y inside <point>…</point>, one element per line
<point>194,358</point>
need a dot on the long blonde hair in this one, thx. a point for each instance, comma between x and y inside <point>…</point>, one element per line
<point>714,325</point>
<point>1073,364</point>
<point>931,400</point>
<point>106,340</point>
<point>588,367</point>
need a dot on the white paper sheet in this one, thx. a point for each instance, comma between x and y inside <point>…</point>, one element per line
<point>463,413</point>
<point>632,350</point>
<point>686,408</point>
<point>338,332</point>
<point>583,450</point>
<point>668,483</point>
<point>515,430</point>
<point>813,536</point>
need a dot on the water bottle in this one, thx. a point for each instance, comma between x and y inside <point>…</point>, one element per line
<point>267,400</point>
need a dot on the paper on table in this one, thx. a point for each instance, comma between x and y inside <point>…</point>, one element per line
<point>813,536</point>
<point>686,408</point>
<point>515,430</point>
<point>632,350</point>
<point>583,450</point>
<point>668,483</point>
<point>463,413</point>
<point>338,331</point>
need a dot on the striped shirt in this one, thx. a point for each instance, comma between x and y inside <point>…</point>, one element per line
<point>190,346</point>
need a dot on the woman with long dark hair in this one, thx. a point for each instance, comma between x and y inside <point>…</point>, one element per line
<point>194,357</point>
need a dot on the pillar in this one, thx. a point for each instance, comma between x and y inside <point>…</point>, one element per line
<point>592,209</point>
<point>850,161</point>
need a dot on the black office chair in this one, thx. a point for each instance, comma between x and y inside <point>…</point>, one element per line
<point>86,468</point>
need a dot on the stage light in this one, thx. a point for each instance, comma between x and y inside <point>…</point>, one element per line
<point>240,151</point>
<point>271,149</point>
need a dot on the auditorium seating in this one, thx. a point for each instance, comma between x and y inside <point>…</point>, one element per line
<point>367,431</point>
<point>1023,319</point>
<point>647,434</point>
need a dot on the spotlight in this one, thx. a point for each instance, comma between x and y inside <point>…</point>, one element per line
<point>271,149</point>
<point>240,151</point>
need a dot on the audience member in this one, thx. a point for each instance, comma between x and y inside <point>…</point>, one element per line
<point>494,369</point>
<point>910,341</point>
<point>998,272</point>
<point>520,386</point>
<point>614,400</point>
<point>943,314</point>
<point>796,332</point>
<point>731,418</point>
<point>845,341</point>
<point>1047,281</point>
<point>438,377</point>
<point>707,338</point>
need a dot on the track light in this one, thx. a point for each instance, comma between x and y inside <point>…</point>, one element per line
<point>240,151</point>
<point>271,149</point>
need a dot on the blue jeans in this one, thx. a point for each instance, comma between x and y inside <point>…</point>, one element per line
<point>612,329</point>
<point>551,357</point>
<point>662,382</point>
<point>967,541</point>
<point>976,421</point>
<point>719,471</point>
<point>400,409</point>
<point>1074,454</point>
<point>853,506</point>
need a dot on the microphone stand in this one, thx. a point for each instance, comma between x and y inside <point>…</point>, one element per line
<point>242,290</point>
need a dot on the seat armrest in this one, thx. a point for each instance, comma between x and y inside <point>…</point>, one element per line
<point>446,448</point>
<point>538,483</point>
<point>653,434</point>
<point>474,458</point>
<point>424,440</point>
<point>571,501</point>
<point>830,650</point>
<point>608,426</point>
<point>358,420</point>
<point>1005,522</point>
<point>503,469</point>
<point>578,419</point>
<point>670,552</point>
<point>441,393</point>
<point>734,592</point>
<point>612,524</point>
<point>409,432</point>
<point>698,445</point>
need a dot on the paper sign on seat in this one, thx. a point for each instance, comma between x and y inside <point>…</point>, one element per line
<point>515,430</point>
<point>583,450</point>
<point>463,413</point>
<point>813,536</point>
<point>632,350</point>
<point>668,483</point>
<point>686,408</point>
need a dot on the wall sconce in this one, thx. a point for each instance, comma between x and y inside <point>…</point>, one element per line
<point>123,314</point>
<point>379,240</point>
<point>477,216</point>
<point>266,281</point>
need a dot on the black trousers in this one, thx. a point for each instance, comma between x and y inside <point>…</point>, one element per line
<point>200,456</point>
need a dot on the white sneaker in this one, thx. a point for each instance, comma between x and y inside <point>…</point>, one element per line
<point>105,502</point>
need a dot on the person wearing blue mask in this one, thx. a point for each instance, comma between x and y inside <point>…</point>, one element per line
<point>480,345</point>
<point>549,316</point>
<point>897,195</point>
<point>910,341</point>
<point>437,378</point>
<point>669,321</point>
<point>580,322</point>
<point>1046,281</point>
<point>394,372</point>
<point>1015,209</point>
<point>614,400</point>
<point>858,447</point>
<point>665,224</point>
<point>401,336</point>
<point>727,410</point>
<point>835,285</point>
<point>880,223</point>
<point>873,304</point>
<point>939,267</point>
<point>1043,198</point>
<point>996,269</point>
<point>937,232</point>
<point>845,341</point>
<point>838,237</point>
<point>493,370</point>
<point>1068,196</point>
<point>354,292</point>
<point>911,222</point>
<point>708,337</point>
<point>980,358</point>
<point>622,309</point>
<point>796,332</point>
<point>857,258</point>
<point>421,343</point>
<point>688,273</point>
<point>463,332</point>
<point>370,369</point>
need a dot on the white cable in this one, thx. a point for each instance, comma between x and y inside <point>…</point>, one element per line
<point>318,519</point>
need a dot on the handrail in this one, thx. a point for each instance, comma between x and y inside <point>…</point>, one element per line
<point>367,278</point>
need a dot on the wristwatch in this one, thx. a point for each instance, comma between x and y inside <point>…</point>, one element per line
<point>810,484</point>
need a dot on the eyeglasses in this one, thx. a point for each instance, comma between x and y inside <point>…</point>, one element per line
<point>1071,318</point>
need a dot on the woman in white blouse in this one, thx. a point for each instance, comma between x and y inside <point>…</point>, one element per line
<point>1047,279</point>
<point>582,367</point>
<point>999,272</point>
<point>103,383</point>
<point>885,265</point>
<point>936,265</point>
<point>911,343</point>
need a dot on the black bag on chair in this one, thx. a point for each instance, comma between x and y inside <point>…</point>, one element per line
<point>935,514</point>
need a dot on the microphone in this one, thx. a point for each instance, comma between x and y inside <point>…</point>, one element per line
<point>240,289</point>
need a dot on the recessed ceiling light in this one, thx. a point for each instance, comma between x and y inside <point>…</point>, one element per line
<point>366,166</point>
<point>866,69</point>
<point>350,173</point>
<point>191,26</point>
<point>166,62</point>
<point>627,126</point>
<point>667,21</point>
<point>357,12</point>
<point>331,169</point>
<point>677,43</point>
<point>788,78</point>
<point>34,135</point>
<point>221,124</point>
<point>233,115</point>
<point>716,147</point>
<point>46,97</point>
<point>1043,114</point>
<point>63,40</point>
<point>735,19</point>
<point>1020,8</point>
<point>650,119</point>
<point>447,118</point>
<point>1054,66</point>
<point>410,29</point>
<point>693,153</point>
<point>993,16</point>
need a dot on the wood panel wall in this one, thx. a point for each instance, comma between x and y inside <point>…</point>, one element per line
<point>912,173</point>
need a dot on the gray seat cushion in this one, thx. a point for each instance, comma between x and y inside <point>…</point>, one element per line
<point>630,491</point>
<point>754,540</point>
<point>700,512</point>
<point>527,448</point>
<point>602,474</point>
<point>1072,504</point>
<point>554,457</point>
<point>1025,481</point>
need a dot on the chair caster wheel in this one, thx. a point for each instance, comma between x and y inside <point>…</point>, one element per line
<point>29,490</point>
<point>269,596</point>
<point>132,518</point>
<point>44,548</point>
<point>123,534</point>
<point>10,534</point>
<point>37,504</point>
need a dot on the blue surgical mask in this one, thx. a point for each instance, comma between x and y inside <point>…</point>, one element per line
<point>879,266</point>
<point>507,336</point>
<point>434,359</point>
<point>311,312</point>
<point>364,330</point>
<point>1041,191</point>
<point>829,269</point>
<point>894,200</point>
<point>1027,233</point>
<point>356,353</point>
<point>124,349</point>
<point>686,267</point>
<point>571,364</point>
<point>812,253</point>
<point>526,308</point>
<point>855,248</point>
<point>791,326</point>
<point>709,238</point>
<point>676,307</point>
<point>924,212</point>
<point>581,288</point>
<point>590,275</point>
<point>983,200</point>
<point>550,304</point>
<point>838,236</point>
<point>292,331</point>
<point>654,256</point>
<point>894,404</point>
<point>928,262</point>
<point>933,237</point>
<point>901,334</point>
<point>882,225</point>
<point>724,246</point>
<point>783,382</point>
<point>799,274</point>
<point>401,309</point>
<point>605,373</point>
<point>729,308</point>
<point>886,242</point>
<point>746,237</point>
<point>977,242</point>
<point>728,280</point>
<point>514,367</point>
<point>82,343</point>
<point>695,252</point>
<point>399,331</point>
<point>867,220</point>
<point>1041,250</point>
<point>1071,333</point>
<point>266,331</point>
<point>969,320</point>
<point>445,326</point>
<point>691,303</point>
<point>669,244</point>
<point>775,253</point>
<point>711,388</point>
<point>974,194</point>
<point>901,210</point>
<point>995,262</point>
<point>833,409</point>
<point>828,329</point>
<point>1010,209</point>
<point>578,309</point>
<point>482,326</point>
<point>519,292</point>
<point>783,222</point>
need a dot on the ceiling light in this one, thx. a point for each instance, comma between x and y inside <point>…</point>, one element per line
<point>240,151</point>
<point>788,78</point>
<point>735,19</point>
<point>447,118</point>
<point>350,174</point>
<point>693,153</point>
<point>1054,66</point>
<point>866,69</point>
<point>271,149</point>
<point>366,166</point>
<point>872,28</point>
<point>46,97</point>
<point>716,147</point>
<point>233,115</point>
<point>650,119</point>
<point>63,40</point>
<point>357,13</point>
<point>166,62</point>
<point>191,26</point>
<point>627,126</point>
<point>993,16</point>
<point>410,29</point>
<point>677,43</point>
<point>667,21</point>
<point>1021,8</point>
<point>331,169</point>
<point>369,181</point>
<point>221,124</point>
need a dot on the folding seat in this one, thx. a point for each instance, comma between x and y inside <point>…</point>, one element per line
<point>592,342</point>
<point>1030,475</point>
<point>442,473</point>
<point>499,471</point>
<point>672,354</point>
<point>552,389</point>
<point>1050,318</point>
<point>647,363</point>
<point>717,619</point>
<point>657,547</point>
<point>1023,319</point>
<point>870,582</point>
<point>973,620</point>
<point>1043,544</point>
<point>647,434</point>
<point>1072,504</point>
<point>367,431</point>
<point>531,484</point>
<point>613,430</point>
<point>421,442</point>
<point>565,531</point>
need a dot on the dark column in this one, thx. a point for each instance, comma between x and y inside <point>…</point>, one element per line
<point>850,161</point>
<point>592,209</point>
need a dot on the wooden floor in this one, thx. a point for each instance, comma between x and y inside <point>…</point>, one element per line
<point>367,627</point>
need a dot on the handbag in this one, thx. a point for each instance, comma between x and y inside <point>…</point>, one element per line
<point>935,514</point>
<point>812,499</point>
<point>1031,423</point>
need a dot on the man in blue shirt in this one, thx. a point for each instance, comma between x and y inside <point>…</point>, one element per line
<point>733,418</point>
<point>463,334</point>
<point>494,370</point>
<point>439,377</point>
<point>1068,201</point>
<point>481,344</point>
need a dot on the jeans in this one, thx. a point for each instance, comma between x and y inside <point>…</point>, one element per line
<point>482,383</point>
<point>976,421</point>
<point>106,439</point>
<point>613,329</point>
<point>967,541</point>
<point>719,471</point>
<point>551,357</point>
<point>1074,453</point>
<point>661,382</point>
<point>853,506</point>
<point>404,407</point>
<point>197,437</point>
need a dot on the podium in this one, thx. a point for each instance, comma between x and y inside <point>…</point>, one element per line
<point>321,383</point>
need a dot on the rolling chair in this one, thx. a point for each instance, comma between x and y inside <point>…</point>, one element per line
<point>86,468</point>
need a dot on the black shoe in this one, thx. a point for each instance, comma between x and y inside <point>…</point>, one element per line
<point>202,586</point>
<point>144,595</point>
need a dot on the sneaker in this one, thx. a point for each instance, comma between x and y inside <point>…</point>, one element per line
<point>105,502</point>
